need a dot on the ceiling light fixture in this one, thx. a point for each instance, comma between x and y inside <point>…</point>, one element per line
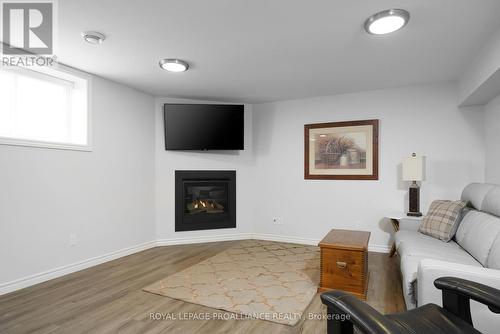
<point>174,65</point>
<point>387,21</point>
<point>93,37</point>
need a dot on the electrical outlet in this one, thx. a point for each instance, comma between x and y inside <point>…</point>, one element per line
<point>278,220</point>
<point>72,239</point>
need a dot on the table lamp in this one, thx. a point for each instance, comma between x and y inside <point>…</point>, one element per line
<point>414,170</point>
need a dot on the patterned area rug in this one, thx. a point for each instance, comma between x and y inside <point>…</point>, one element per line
<point>267,280</point>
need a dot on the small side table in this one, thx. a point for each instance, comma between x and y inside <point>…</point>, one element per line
<point>344,262</point>
<point>395,219</point>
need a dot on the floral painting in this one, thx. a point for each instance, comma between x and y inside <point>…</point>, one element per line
<point>342,150</point>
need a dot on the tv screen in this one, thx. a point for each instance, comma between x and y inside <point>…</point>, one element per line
<point>203,126</point>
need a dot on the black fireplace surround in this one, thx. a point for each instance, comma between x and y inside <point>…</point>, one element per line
<point>205,200</point>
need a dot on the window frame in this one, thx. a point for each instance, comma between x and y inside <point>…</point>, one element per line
<point>58,145</point>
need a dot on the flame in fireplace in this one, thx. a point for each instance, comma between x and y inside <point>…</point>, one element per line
<point>209,206</point>
<point>196,204</point>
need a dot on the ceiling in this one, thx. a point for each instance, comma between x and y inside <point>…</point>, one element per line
<point>268,50</point>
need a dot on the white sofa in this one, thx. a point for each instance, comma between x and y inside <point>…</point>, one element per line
<point>473,254</point>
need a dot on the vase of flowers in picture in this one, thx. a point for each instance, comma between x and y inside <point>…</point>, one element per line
<point>344,161</point>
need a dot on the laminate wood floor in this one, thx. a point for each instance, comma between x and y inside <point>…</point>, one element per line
<point>108,298</point>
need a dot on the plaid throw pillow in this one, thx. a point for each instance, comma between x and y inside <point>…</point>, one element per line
<point>441,222</point>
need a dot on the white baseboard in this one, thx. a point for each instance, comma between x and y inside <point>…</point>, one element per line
<point>379,248</point>
<point>202,239</point>
<point>309,241</point>
<point>239,236</point>
<point>71,268</point>
<point>283,238</point>
<point>260,236</point>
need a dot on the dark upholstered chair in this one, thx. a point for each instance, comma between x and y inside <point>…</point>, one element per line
<point>345,310</point>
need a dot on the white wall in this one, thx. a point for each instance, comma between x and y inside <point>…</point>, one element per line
<point>122,194</point>
<point>167,162</point>
<point>105,196</point>
<point>422,119</point>
<point>481,68</point>
<point>492,133</point>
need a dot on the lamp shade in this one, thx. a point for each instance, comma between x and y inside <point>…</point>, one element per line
<point>414,168</point>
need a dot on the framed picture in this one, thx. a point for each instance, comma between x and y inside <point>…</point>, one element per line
<point>341,150</point>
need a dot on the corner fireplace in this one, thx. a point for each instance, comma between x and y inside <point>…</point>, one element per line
<point>205,200</point>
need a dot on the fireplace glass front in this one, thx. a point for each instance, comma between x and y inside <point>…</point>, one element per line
<point>205,200</point>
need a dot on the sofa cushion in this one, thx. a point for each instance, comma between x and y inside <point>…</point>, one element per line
<point>475,193</point>
<point>415,244</point>
<point>442,220</point>
<point>494,257</point>
<point>413,247</point>
<point>491,203</point>
<point>476,234</point>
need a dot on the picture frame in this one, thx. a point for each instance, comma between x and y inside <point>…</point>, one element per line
<point>342,150</point>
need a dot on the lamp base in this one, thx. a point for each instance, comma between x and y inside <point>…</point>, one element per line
<point>414,200</point>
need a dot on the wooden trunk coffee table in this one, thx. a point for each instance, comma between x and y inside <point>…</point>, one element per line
<point>344,262</point>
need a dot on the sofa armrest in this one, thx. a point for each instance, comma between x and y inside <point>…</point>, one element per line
<point>429,270</point>
<point>409,224</point>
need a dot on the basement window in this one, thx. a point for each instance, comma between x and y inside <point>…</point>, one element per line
<point>44,107</point>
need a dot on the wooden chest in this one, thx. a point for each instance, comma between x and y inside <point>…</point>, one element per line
<point>344,262</point>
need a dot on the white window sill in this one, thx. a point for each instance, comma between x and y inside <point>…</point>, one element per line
<point>43,144</point>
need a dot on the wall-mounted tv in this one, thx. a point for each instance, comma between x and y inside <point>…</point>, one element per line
<point>203,126</point>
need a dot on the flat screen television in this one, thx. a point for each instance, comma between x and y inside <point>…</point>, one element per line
<point>203,126</point>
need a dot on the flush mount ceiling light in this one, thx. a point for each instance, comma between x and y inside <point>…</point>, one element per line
<point>387,21</point>
<point>174,65</point>
<point>93,37</point>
